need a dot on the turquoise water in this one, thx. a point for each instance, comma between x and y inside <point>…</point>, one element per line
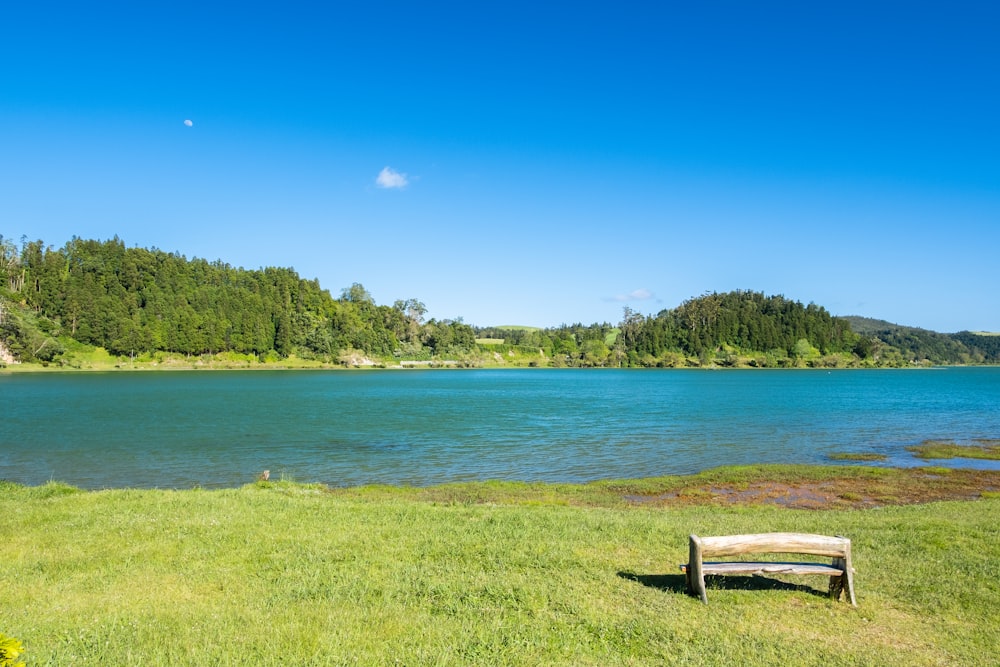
<point>215,429</point>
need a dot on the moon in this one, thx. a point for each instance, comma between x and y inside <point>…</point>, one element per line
<point>188,122</point>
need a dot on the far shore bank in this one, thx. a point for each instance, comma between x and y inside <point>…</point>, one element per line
<point>301,365</point>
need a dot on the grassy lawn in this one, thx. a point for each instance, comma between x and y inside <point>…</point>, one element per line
<point>492,574</point>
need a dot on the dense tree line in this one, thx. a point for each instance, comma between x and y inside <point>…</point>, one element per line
<point>982,348</point>
<point>736,328</point>
<point>746,328</point>
<point>719,327</point>
<point>133,301</point>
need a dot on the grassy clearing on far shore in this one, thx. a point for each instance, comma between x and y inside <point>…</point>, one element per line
<point>493,573</point>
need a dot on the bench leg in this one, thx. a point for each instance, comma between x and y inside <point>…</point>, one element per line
<point>837,582</point>
<point>849,580</point>
<point>695,575</point>
<point>696,584</point>
<point>843,583</point>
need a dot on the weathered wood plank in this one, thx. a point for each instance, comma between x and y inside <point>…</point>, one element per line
<point>768,567</point>
<point>746,567</point>
<point>695,577</point>
<point>794,543</point>
<point>847,581</point>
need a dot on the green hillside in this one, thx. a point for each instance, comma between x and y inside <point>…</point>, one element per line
<point>916,345</point>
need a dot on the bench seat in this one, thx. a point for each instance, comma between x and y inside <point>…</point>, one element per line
<point>747,567</point>
<point>840,570</point>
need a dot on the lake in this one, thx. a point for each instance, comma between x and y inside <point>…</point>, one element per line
<point>421,427</point>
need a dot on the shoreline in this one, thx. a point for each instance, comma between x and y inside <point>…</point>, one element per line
<point>19,368</point>
<point>792,486</point>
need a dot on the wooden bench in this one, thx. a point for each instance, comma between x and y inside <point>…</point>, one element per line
<point>838,548</point>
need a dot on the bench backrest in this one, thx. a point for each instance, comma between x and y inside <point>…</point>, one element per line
<point>797,543</point>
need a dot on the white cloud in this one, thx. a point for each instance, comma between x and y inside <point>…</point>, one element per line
<point>635,295</point>
<point>189,122</point>
<point>391,179</point>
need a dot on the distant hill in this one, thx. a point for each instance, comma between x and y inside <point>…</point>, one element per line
<point>868,326</point>
<point>980,344</point>
<point>922,345</point>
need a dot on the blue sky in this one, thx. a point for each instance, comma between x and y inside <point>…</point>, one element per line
<point>524,162</point>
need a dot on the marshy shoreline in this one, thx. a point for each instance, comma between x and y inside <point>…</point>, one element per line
<point>794,486</point>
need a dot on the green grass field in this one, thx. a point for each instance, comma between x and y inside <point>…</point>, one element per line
<point>480,574</point>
